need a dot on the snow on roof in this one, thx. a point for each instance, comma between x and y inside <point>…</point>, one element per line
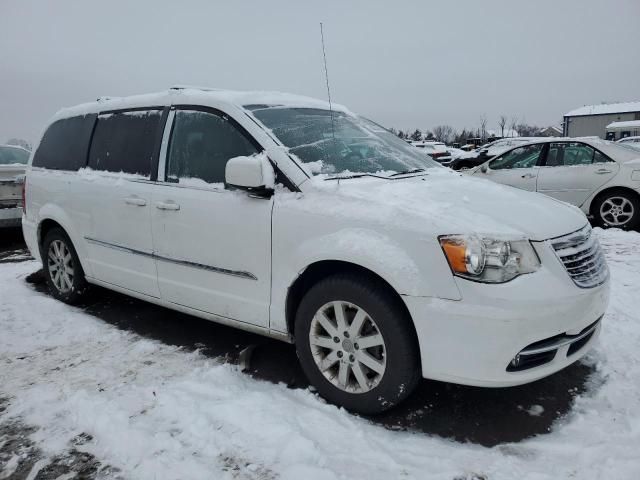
<point>629,124</point>
<point>605,108</point>
<point>198,95</point>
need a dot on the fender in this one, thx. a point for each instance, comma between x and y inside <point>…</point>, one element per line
<point>586,206</point>
<point>371,250</point>
<point>53,212</point>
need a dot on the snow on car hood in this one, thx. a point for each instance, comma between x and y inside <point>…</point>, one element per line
<point>444,202</point>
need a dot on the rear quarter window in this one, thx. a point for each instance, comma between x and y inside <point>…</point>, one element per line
<point>126,141</point>
<point>65,144</point>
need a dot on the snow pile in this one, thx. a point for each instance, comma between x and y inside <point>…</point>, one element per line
<point>157,412</point>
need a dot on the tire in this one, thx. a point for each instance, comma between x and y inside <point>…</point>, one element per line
<point>381,318</point>
<point>59,255</point>
<point>617,209</point>
<point>463,166</point>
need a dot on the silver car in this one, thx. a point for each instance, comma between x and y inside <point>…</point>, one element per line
<point>600,177</point>
<point>13,162</point>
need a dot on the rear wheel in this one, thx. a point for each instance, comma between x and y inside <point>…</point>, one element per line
<point>63,272</point>
<point>617,209</point>
<point>356,344</point>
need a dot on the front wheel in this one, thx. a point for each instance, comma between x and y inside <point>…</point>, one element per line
<point>356,344</point>
<point>617,209</point>
<point>63,272</point>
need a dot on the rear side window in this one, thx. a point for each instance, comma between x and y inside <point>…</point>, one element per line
<point>65,143</point>
<point>569,154</point>
<point>126,142</point>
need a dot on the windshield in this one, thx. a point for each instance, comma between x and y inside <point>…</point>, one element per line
<point>10,155</point>
<point>348,144</point>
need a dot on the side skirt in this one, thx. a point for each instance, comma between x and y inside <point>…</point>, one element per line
<point>285,337</point>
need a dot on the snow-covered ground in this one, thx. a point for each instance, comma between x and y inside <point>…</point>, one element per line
<point>153,411</point>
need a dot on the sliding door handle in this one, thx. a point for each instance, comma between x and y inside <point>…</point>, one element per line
<point>167,206</point>
<point>140,202</point>
<point>528,175</point>
<point>602,171</point>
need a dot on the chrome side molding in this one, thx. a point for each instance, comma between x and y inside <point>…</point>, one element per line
<point>186,263</point>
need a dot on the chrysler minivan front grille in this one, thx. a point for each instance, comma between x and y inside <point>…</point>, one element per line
<point>582,257</point>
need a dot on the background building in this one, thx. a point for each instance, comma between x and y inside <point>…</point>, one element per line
<point>592,120</point>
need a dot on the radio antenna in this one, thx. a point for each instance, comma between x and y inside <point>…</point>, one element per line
<point>326,76</point>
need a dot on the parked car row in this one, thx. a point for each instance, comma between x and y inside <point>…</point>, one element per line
<point>276,214</point>
<point>486,152</point>
<point>13,161</point>
<point>436,150</point>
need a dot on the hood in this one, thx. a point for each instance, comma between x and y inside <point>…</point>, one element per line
<point>446,202</point>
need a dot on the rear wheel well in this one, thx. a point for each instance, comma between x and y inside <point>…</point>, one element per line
<point>326,268</point>
<point>607,191</point>
<point>45,227</point>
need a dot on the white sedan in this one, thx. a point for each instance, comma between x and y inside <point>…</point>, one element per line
<point>600,177</point>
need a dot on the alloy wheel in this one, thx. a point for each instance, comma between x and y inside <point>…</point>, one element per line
<point>347,347</point>
<point>60,265</point>
<point>616,211</point>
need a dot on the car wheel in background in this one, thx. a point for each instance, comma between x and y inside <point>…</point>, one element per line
<point>618,209</point>
<point>63,272</point>
<point>356,344</point>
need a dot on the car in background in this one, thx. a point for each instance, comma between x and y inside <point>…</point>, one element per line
<point>629,140</point>
<point>632,145</point>
<point>13,162</point>
<point>436,150</point>
<point>487,152</point>
<point>602,178</point>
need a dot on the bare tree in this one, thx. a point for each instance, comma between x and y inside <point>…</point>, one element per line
<point>443,133</point>
<point>502,123</point>
<point>20,143</point>
<point>483,127</point>
<point>513,123</point>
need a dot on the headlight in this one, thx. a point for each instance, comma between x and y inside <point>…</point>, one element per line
<point>487,259</point>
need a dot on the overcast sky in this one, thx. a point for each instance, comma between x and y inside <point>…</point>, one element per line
<point>403,64</point>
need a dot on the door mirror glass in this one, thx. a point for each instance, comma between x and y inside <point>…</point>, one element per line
<point>253,173</point>
<point>484,168</point>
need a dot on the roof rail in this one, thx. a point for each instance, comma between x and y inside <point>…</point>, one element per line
<point>105,98</point>
<point>193,87</point>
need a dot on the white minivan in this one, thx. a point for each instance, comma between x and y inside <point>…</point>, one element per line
<point>302,221</point>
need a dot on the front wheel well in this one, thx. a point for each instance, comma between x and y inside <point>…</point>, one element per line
<point>320,270</point>
<point>608,191</point>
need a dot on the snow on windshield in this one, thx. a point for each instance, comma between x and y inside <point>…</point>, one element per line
<point>335,142</point>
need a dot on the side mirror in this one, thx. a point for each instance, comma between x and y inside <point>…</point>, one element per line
<point>253,174</point>
<point>484,168</point>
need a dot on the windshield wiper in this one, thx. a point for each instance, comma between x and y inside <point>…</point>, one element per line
<point>357,175</point>
<point>407,172</point>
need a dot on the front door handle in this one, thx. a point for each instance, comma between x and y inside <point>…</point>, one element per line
<point>140,202</point>
<point>167,206</point>
<point>528,175</point>
<point>602,171</point>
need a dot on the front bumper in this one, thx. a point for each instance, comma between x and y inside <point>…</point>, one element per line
<point>10,217</point>
<point>473,341</point>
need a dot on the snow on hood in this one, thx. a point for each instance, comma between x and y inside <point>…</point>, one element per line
<point>445,202</point>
